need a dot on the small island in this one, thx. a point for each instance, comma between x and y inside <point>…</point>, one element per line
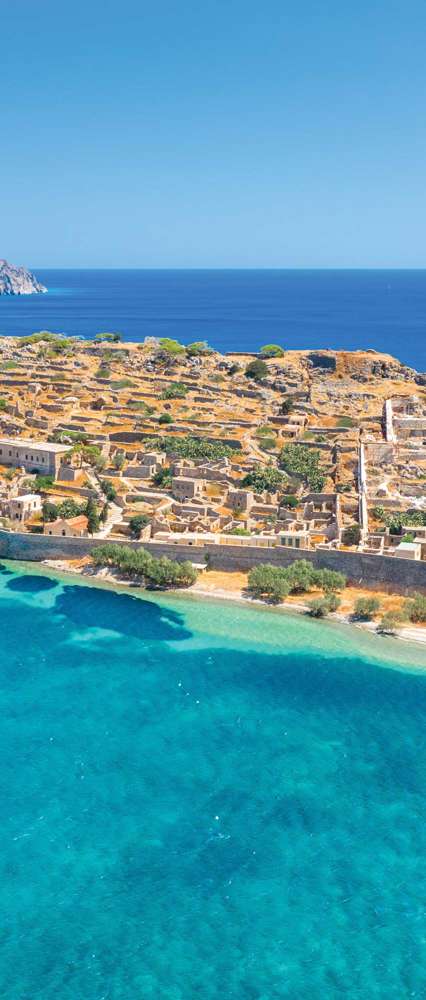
<point>18,281</point>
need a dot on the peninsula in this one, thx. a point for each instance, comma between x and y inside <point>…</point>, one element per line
<point>18,281</point>
<point>228,461</point>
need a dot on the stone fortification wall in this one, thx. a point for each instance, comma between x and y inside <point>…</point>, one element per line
<point>359,567</point>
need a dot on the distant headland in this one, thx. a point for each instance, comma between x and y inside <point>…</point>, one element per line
<point>18,281</point>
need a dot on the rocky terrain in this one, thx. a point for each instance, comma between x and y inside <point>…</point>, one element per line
<point>18,281</point>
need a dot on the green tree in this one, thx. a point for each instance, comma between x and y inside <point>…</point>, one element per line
<point>92,515</point>
<point>415,608</point>
<point>272,351</point>
<point>331,580</point>
<point>351,535</point>
<point>165,418</point>
<point>256,370</point>
<point>198,348</point>
<point>108,489</point>
<point>112,338</point>
<point>163,478</point>
<point>49,511</point>
<point>268,581</point>
<point>287,405</point>
<point>389,622</point>
<point>136,524</point>
<point>301,576</point>
<point>320,607</point>
<point>365,608</point>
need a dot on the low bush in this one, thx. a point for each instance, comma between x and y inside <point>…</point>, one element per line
<point>320,607</point>
<point>365,608</point>
<point>415,608</point>
<point>389,622</point>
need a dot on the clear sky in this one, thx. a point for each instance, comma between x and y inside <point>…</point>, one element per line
<point>231,133</point>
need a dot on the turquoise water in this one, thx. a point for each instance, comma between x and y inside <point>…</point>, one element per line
<point>203,800</point>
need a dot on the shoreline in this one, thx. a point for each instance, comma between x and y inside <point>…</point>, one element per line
<point>408,634</point>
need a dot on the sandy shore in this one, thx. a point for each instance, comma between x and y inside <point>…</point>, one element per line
<point>230,587</point>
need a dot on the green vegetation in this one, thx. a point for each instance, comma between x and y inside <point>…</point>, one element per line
<point>165,418</point>
<point>136,524</point>
<point>190,447</point>
<point>69,508</point>
<point>415,608</point>
<point>397,522</point>
<point>122,383</point>
<point>289,500</point>
<point>276,583</point>
<point>91,454</point>
<point>8,365</point>
<point>264,479</point>
<point>104,371</point>
<point>138,404</point>
<point>234,369</point>
<point>257,370</point>
<point>320,607</point>
<point>118,460</point>
<point>3,405</point>
<point>351,535</point>
<point>239,531</point>
<point>91,512</point>
<point>266,581</point>
<point>40,483</point>
<point>140,565</point>
<point>287,405</point>
<point>112,338</point>
<point>298,460</point>
<point>344,421</point>
<point>108,489</point>
<point>163,478</point>
<point>198,348</point>
<point>272,351</point>
<point>389,622</point>
<point>177,390</point>
<point>365,608</point>
<point>58,344</point>
<point>172,347</point>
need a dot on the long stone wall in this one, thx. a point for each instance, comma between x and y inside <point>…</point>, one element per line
<point>359,567</point>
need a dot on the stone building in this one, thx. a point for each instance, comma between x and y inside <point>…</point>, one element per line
<point>23,507</point>
<point>33,456</point>
<point>71,527</point>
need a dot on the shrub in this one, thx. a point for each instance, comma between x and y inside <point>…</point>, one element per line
<point>50,511</point>
<point>42,483</point>
<point>3,405</point>
<point>296,459</point>
<point>123,383</point>
<point>287,405</point>
<point>108,489</point>
<point>177,390</point>
<point>234,369</point>
<point>264,479</point>
<point>415,608</point>
<point>165,418</point>
<point>290,501</point>
<point>330,580</point>
<point>163,478</point>
<point>268,581</point>
<point>104,371</point>
<point>365,608</point>
<point>136,524</point>
<point>389,622</point>
<point>190,447</point>
<point>239,531</point>
<point>351,535</point>
<point>118,460</point>
<point>197,348</point>
<point>320,607</point>
<point>345,421</point>
<point>272,351</point>
<point>257,370</point>
<point>301,576</point>
<point>172,347</point>
<point>139,564</point>
<point>112,338</point>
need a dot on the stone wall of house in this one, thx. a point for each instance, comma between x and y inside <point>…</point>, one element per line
<point>358,567</point>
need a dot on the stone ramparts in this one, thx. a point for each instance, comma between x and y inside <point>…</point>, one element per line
<point>359,567</point>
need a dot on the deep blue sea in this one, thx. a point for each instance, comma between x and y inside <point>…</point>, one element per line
<point>233,310</point>
<point>202,800</point>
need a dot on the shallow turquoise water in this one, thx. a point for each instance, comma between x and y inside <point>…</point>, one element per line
<point>203,800</point>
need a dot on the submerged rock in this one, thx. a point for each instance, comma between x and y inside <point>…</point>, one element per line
<point>18,281</point>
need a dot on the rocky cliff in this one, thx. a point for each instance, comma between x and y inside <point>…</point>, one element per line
<point>18,281</point>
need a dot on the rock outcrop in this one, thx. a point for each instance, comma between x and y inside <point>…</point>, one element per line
<point>18,281</point>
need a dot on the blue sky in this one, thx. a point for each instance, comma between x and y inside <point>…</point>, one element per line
<point>213,134</point>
